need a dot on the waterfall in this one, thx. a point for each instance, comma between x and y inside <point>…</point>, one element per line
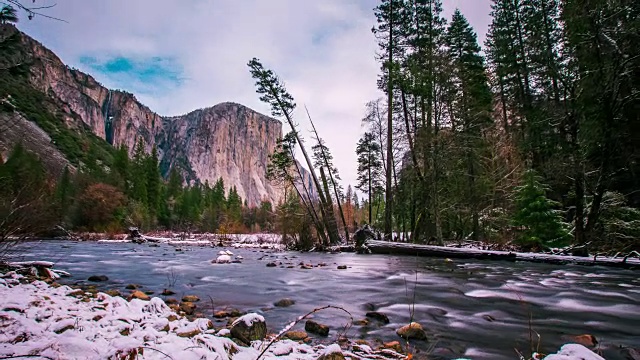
<point>108,120</point>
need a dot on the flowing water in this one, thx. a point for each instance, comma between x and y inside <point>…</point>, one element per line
<point>471,308</point>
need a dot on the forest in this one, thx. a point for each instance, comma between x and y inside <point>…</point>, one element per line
<point>532,139</point>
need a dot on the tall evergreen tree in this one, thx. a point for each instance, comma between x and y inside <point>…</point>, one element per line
<point>369,168</point>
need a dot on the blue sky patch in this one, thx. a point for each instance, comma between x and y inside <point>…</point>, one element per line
<point>139,75</point>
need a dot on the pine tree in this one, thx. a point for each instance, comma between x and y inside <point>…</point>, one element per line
<point>139,174</point>
<point>369,168</point>
<point>152,181</point>
<point>540,224</point>
<point>471,104</point>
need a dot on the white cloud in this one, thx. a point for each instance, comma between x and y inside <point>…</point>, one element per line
<point>323,50</point>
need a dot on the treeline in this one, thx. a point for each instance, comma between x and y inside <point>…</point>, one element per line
<point>534,139</point>
<point>129,192</point>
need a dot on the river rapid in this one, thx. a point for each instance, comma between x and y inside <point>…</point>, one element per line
<point>471,308</point>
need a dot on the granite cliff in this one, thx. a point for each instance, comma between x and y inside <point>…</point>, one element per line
<point>228,140</point>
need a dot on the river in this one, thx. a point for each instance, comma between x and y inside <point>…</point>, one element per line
<point>471,308</point>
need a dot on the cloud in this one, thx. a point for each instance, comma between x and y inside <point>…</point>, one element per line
<point>177,56</point>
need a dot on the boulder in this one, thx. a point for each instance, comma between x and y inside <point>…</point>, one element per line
<point>342,267</point>
<point>587,340</point>
<point>284,302</point>
<point>272,264</point>
<point>412,331</point>
<point>223,259</point>
<point>190,298</point>
<point>332,352</point>
<point>132,287</point>
<point>139,295</point>
<point>316,328</point>
<point>167,292</point>
<point>98,278</point>
<point>378,316</point>
<point>296,335</point>
<point>249,328</point>
<point>113,292</point>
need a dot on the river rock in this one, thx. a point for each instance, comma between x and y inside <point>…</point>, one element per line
<point>378,316</point>
<point>342,267</point>
<point>139,295</point>
<point>167,292</point>
<point>332,352</point>
<point>98,278</point>
<point>393,345</point>
<point>190,298</point>
<point>271,264</point>
<point>170,301</point>
<point>316,328</point>
<point>132,287</point>
<point>296,335</point>
<point>223,259</point>
<point>249,328</point>
<point>574,352</point>
<point>188,307</point>
<point>412,331</point>
<point>113,292</point>
<point>227,313</point>
<point>284,302</point>
<point>361,322</point>
<point>587,340</point>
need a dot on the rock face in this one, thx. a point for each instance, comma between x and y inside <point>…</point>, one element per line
<point>228,140</point>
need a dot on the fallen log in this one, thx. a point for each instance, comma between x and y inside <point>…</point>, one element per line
<point>395,248</point>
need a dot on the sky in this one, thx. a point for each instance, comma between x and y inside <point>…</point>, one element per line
<point>180,55</point>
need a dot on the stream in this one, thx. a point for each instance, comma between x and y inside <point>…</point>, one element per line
<point>469,308</point>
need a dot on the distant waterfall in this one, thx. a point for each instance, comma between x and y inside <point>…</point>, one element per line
<point>108,120</point>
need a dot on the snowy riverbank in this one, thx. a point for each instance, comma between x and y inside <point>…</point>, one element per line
<point>58,322</point>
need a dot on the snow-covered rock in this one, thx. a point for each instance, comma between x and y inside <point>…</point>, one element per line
<point>574,352</point>
<point>223,259</point>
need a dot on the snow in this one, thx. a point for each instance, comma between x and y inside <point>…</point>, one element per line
<point>249,319</point>
<point>332,349</point>
<point>106,327</point>
<point>223,259</point>
<point>574,352</point>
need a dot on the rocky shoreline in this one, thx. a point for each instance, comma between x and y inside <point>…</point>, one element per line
<point>40,317</point>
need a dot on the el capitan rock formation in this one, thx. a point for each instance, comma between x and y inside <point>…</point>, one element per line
<point>228,140</point>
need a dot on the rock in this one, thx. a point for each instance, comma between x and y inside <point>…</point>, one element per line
<point>249,328</point>
<point>306,266</point>
<point>332,352</point>
<point>188,307</point>
<point>574,352</point>
<point>284,302</point>
<point>223,259</point>
<point>378,316</point>
<point>587,340</point>
<point>132,287</point>
<point>342,267</point>
<point>227,313</point>
<point>489,318</point>
<point>98,278</point>
<point>149,292</point>
<point>172,317</point>
<point>412,331</point>
<point>139,295</point>
<point>189,334</point>
<point>190,298</point>
<point>296,335</point>
<point>393,345</point>
<point>113,292</point>
<point>167,292</point>
<point>361,322</point>
<point>170,301</point>
<point>316,328</point>
<point>272,264</point>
